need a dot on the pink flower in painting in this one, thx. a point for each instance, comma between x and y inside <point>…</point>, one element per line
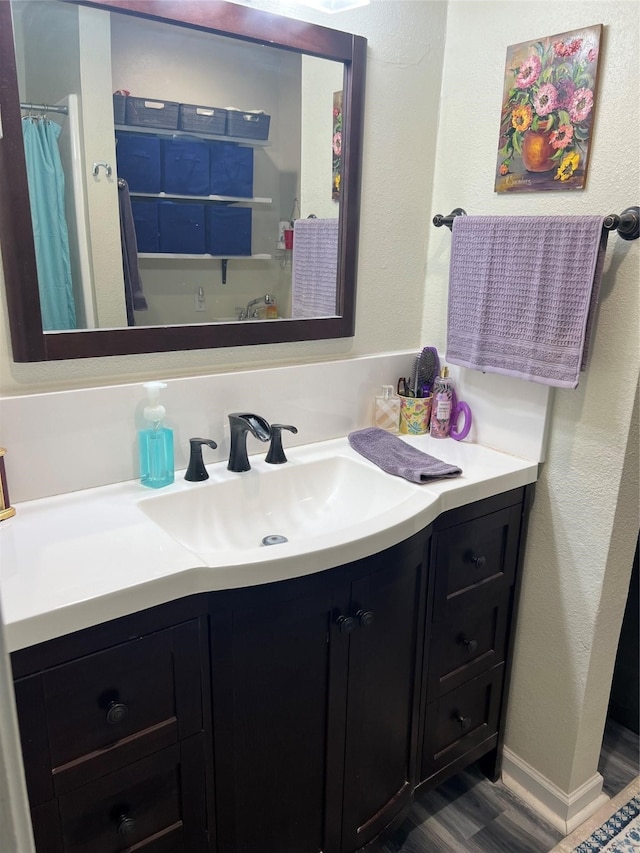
<point>581,104</point>
<point>337,144</point>
<point>567,48</point>
<point>546,99</point>
<point>565,89</point>
<point>529,71</point>
<point>561,137</point>
<point>592,55</point>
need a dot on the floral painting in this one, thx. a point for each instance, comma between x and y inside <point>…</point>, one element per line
<point>547,112</point>
<point>336,145</point>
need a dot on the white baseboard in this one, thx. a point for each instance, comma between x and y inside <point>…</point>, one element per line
<point>563,811</point>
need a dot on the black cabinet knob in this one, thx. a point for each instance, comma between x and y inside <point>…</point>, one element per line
<point>465,722</point>
<point>479,562</point>
<point>364,617</point>
<point>126,826</point>
<point>116,713</point>
<point>345,624</point>
<point>472,645</point>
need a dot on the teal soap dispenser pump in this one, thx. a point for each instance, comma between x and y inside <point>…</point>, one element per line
<point>155,442</point>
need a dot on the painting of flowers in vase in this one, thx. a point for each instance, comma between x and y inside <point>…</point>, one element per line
<point>336,147</point>
<point>547,112</point>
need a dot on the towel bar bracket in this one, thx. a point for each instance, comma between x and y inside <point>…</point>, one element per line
<point>627,224</point>
<point>439,220</point>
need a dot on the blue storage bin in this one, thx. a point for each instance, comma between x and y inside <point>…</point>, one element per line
<point>231,169</point>
<point>138,161</point>
<point>228,230</point>
<point>185,166</point>
<point>145,220</point>
<point>182,228</point>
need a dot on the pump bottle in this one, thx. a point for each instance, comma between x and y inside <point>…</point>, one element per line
<point>441,405</point>
<point>155,442</point>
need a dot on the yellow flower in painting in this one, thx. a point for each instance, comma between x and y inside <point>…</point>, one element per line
<point>567,167</point>
<point>521,117</point>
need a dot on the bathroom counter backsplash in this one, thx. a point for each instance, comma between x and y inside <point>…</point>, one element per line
<point>75,560</point>
<point>67,441</point>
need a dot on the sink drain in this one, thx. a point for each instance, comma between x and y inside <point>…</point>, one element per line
<point>274,539</point>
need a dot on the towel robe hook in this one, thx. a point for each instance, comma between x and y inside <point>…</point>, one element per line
<point>101,164</point>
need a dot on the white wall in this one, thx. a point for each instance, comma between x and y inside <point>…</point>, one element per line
<point>584,522</point>
<point>585,519</point>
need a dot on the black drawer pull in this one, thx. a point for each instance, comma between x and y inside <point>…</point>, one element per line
<point>465,722</point>
<point>116,712</point>
<point>126,826</point>
<point>479,562</point>
<point>345,624</point>
<point>365,617</point>
<point>472,645</point>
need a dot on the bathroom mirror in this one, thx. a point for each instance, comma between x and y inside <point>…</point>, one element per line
<point>245,29</point>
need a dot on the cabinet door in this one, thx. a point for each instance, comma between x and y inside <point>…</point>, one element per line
<point>271,703</point>
<point>387,603</point>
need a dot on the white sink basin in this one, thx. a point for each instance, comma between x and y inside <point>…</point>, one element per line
<point>297,500</point>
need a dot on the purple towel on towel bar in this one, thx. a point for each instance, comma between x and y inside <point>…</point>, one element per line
<point>314,268</point>
<point>522,293</point>
<point>394,456</point>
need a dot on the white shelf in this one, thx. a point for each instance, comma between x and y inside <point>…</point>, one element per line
<point>230,198</point>
<point>166,256</point>
<point>160,131</point>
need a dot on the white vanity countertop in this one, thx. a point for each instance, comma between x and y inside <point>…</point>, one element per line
<point>71,561</point>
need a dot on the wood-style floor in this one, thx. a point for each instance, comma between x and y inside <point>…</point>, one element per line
<point>469,814</point>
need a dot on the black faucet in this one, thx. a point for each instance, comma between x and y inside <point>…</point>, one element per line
<point>241,423</point>
<point>276,456</point>
<point>196,470</point>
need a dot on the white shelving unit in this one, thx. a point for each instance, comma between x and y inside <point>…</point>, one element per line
<point>228,198</point>
<point>159,131</point>
<point>165,256</point>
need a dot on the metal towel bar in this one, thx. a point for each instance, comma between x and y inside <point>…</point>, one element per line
<point>627,224</point>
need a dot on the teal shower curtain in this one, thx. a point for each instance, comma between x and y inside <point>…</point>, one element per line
<point>46,196</point>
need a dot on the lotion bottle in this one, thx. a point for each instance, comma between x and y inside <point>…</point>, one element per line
<point>387,414</point>
<point>155,442</point>
<point>441,405</point>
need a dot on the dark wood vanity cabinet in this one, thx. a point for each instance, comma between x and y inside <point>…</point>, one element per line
<point>475,555</point>
<point>317,705</point>
<point>115,733</point>
<point>315,702</point>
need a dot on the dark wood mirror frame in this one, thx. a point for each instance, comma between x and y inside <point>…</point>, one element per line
<point>29,342</point>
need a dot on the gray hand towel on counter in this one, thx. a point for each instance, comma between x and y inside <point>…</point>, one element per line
<point>396,457</point>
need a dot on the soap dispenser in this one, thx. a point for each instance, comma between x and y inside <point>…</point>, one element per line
<point>155,442</point>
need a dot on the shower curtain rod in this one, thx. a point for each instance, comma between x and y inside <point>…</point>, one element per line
<point>627,224</point>
<point>45,108</point>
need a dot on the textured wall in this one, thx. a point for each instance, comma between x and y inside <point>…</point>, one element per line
<point>585,519</point>
<point>406,41</point>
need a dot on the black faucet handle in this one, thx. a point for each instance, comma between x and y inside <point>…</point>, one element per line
<point>196,472</point>
<point>276,456</point>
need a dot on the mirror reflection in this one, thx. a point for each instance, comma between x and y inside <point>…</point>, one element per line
<point>206,191</point>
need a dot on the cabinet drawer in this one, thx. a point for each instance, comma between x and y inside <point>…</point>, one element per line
<point>461,720</point>
<point>89,717</point>
<point>478,554</point>
<point>470,639</point>
<point>138,805</point>
<point>93,702</point>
